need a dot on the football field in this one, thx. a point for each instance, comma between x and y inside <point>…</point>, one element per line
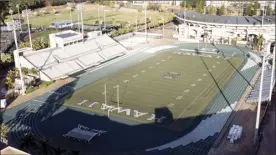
<point>168,89</point>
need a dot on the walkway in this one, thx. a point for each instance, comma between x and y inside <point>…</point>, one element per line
<point>39,92</point>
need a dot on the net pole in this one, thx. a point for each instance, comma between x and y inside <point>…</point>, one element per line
<point>118,100</point>
<point>272,75</point>
<point>105,93</point>
<point>257,125</point>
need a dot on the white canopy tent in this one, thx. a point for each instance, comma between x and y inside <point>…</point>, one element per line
<point>79,134</point>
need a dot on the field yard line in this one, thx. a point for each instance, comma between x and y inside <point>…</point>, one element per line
<point>118,59</point>
<point>38,101</point>
<point>195,99</point>
<point>190,105</point>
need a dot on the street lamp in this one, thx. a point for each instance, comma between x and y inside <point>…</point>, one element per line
<point>14,25</point>
<point>26,13</point>
<point>17,6</point>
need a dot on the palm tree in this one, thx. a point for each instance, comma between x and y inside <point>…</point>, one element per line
<point>258,42</point>
<point>72,152</point>
<point>58,151</point>
<point>28,142</point>
<point>205,36</point>
<point>45,148</point>
<point>4,8</point>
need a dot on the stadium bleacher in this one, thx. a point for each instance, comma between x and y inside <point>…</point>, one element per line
<point>254,94</point>
<point>59,62</point>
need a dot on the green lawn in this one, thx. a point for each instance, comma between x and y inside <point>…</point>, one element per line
<point>147,90</point>
<point>42,34</point>
<point>90,16</point>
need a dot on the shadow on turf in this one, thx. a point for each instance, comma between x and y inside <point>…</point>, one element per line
<point>50,121</point>
<point>237,70</point>
<point>120,139</point>
<point>214,79</point>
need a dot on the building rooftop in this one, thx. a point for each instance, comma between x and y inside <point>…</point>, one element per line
<point>12,151</point>
<point>241,20</point>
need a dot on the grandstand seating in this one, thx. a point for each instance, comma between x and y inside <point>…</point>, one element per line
<point>200,147</point>
<point>59,62</point>
<point>254,94</point>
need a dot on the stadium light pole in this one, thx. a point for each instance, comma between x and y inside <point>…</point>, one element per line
<point>163,29</point>
<point>100,26</point>
<point>82,25</point>
<point>71,17</point>
<point>17,6</point>
<point>104,19</point>
<point>136,21</point>
<point>16,55</point>
<point>272,79</point>
<point>146,35</point>
<point>259,104</point>
<point>118,100</point>
<point>105,94</point>
<point>78,18</point>
<point>27,13</point>
<point>80,11</point>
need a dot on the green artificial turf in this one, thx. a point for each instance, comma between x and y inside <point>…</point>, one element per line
<point>183,98</point>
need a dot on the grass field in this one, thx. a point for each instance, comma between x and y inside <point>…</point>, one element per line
<point>146,87</point>
<point>90,15</point>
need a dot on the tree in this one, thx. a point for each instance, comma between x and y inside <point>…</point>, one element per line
<point>4,130</point>
<point>4,9</point>
<point>6,59</point>
<point>39,43</point>
<point>199,6</point>
<point>248,10</point>
<point>58,151</point>
<point>28,142</point>
<point>44,147</point>
<point>74,152</point>
<point>211,10</point>
<point>256,6</point>
<point>269,11</point>
<point>221,11</point>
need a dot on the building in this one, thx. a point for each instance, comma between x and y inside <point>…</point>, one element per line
<point>218,3</point>
<point>176,3</point>
<point>224,27</point>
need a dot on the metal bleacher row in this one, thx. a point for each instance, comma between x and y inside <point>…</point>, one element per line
<point>59,62</point>
<point>254,94</point>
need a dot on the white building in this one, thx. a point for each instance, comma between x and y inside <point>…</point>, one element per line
<point>220,28</point>
<point>218,3</point>
<point>176,3</point>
